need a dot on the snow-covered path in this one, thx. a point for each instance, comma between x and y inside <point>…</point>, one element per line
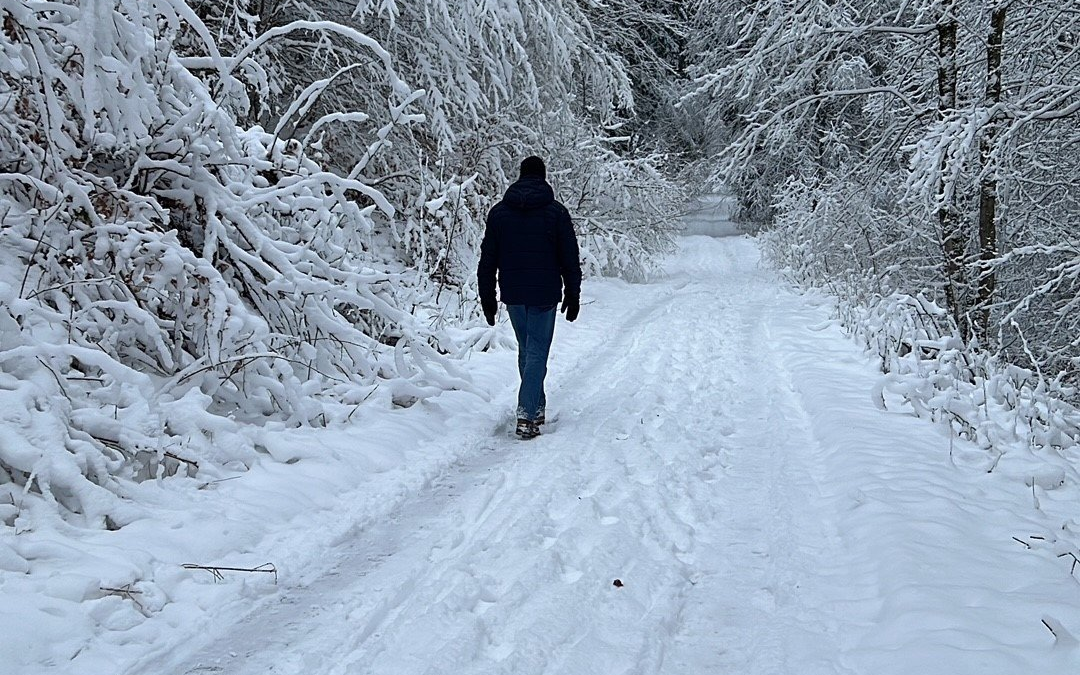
<point>674,467</point>
<point>716,451</point>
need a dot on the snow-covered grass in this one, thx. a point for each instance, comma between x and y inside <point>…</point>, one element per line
<point>719,448</point>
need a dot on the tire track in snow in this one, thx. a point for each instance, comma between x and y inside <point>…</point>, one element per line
<point>300,616</point>
<point>756,591</point>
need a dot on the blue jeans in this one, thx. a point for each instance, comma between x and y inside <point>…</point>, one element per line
<point>534,327</point>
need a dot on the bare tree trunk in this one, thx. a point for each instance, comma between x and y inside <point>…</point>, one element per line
<point>952,235</point>
<point>988,183</point>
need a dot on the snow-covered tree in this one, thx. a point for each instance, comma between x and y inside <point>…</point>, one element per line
<point>269,209</point>
<point>891,141</point>
<point>914,158</point>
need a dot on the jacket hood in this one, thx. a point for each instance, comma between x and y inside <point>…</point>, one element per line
<point>530,192</point>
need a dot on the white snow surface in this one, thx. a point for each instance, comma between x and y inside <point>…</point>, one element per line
<point>712,215</point>
<point>717,450</point>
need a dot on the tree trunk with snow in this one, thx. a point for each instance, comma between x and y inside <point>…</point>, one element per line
<point>988,184</point>
<point>950,222</point>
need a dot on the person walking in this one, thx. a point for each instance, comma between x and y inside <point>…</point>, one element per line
<point>530,247</point>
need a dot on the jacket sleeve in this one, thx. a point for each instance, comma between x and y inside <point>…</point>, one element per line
<point>569,257</point>
<point>489,263</point>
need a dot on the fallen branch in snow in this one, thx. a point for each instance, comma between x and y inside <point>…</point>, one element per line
<point>189,462</point>
<point>215,482</point>
<point>362,401</point>
<point>241,360</point>
<point>1061,636</point>
<point>1034,537</point>
<point>126,592</point>
<point>1067,554</point>
<point>216,571</point>
<point>1075,560</point>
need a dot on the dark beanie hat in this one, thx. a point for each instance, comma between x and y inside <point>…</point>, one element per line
<point>533,166</point>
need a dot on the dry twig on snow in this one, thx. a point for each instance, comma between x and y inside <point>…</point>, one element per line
<point>216,571</point>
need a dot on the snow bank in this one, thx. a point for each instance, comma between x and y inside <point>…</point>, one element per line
<point>86,601</point>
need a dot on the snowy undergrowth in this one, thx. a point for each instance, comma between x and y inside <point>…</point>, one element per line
<point>1021,420</point>
<point>167,272</point>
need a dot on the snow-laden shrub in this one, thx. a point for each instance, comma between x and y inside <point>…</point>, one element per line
<point>927,366</point>
<point>623,209</point>
<point>889,161</point>
<point>929,369</point>
<point>165,270</point>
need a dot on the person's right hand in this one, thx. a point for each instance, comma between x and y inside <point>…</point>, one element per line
<point>489,313</point>
<point>571,305</point>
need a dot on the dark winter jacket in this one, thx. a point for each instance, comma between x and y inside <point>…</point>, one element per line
<point>530,242</point>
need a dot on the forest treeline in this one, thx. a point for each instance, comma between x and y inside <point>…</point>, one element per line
<point>217,213</point>
<point>919,161</point>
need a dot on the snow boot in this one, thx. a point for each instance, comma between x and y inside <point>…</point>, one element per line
<point>541,417</point>
<point>526,429</point>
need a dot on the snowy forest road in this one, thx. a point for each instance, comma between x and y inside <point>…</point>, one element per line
<point>718,494</point>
